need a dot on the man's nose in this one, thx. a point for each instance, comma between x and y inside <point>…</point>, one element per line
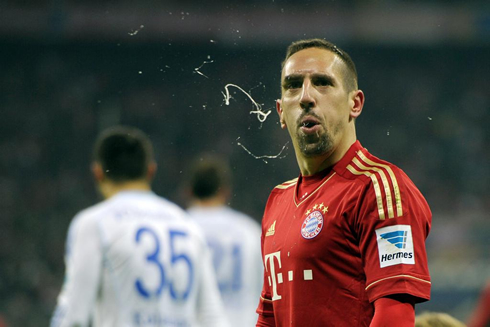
<point>307,101</point>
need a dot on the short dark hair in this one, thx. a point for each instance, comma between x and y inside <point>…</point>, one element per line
<point>124,153</point>
<point>351,71</point>
<point>209,174</point>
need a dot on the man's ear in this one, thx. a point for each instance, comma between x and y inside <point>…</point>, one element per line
<point>97,171</point>
<point>358,103</point>
<point>280,113</point>
<point>152,170</point>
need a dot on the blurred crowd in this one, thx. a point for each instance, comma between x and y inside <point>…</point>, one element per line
<point>427,110</point>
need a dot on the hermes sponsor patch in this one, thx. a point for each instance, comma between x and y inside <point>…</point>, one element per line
<point>395,245</point>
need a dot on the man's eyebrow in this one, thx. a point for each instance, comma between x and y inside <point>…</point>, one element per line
<point>314,77</point>
<point>297,76</point>
<point>321,76</point>
<point>293,77</point>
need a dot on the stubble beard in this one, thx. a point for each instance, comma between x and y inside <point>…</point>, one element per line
<point>314,145</point>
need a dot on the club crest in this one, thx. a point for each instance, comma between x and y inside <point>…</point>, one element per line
<point>312,225</point>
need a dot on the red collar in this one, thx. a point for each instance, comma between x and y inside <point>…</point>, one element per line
<point>307,185</point>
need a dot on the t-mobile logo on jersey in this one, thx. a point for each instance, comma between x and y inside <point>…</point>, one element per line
<point>275,279</point>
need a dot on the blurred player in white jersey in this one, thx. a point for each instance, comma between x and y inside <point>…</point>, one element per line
<point>233,237</point>
<point>135,259</point>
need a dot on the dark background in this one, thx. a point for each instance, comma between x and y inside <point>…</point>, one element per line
<point>70,69</point>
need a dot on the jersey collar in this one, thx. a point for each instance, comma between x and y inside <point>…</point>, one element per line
<point>322,177</point>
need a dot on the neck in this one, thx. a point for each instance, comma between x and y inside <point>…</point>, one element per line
<point>312,165</point>
<point>215,201</point>
<point>109,188</point>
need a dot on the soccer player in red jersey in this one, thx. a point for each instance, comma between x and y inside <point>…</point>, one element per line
<point>344,243</point>
<point>480,317</point>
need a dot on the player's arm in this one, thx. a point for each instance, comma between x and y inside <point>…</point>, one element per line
<point>211,310</point>
<point>395,310</point>
<point>392,231</point>
<point>265,309</point>
<point>266,313</point>
<point>83,261</point>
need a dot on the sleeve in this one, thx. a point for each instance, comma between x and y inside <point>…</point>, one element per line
<point>393,222</point>
<point>211,312</point>
<point>392,312</point>
<point>83,260</point>
<point>265,309</point>
<point>258,274</point>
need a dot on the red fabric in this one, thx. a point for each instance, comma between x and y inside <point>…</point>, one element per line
<point>308,184</point>
<point>393,312</point>
<point>480,317</point>
<point>266,312</point>
<point>265,321</point>
<point>323,266</point>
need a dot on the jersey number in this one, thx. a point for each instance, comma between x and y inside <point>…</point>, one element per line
<point>154,259</point>
<point>235,280</point>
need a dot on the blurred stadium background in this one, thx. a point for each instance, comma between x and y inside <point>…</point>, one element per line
<point>71,68</point>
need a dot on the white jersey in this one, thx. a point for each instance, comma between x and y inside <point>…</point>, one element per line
<point>234,239</point>
<point>137,260</point>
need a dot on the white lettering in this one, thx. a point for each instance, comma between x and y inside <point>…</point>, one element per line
<point>270,258</point>
<point>308,274</point>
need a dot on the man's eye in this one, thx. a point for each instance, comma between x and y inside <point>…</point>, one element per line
<point>293,85</point>
<point>323,82</point>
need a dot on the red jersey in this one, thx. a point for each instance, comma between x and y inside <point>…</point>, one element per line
<point>355,233</point>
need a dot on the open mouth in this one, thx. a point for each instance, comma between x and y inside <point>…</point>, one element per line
<point>309,122</point>
<point>310,125</point>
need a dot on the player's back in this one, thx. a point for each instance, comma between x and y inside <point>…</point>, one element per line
<point>153,261</point>
<point>234,239</point>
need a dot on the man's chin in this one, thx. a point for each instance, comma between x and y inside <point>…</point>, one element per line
<point>313,145</point>
<point>313,150</point>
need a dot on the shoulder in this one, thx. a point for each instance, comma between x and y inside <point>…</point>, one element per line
<point>281,196</point>
<point>390,188</point>
<point>178,215</point>
<point>284,188</point>
<point>84,226</point>
<point>214,219</point>
<point>282,191</point>
<point>286,185</point>
<point>181,218</point>
<point>170,208</point>
<point>363,166</point>
<point>371,170</point>
<point>89,216</point>
<point>243,219</point>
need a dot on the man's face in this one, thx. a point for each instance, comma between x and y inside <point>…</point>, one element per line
<point>315,106</point>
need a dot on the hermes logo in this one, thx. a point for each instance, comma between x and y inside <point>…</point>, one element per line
<point>271,229</point>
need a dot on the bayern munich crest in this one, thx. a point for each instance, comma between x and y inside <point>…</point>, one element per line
<point>313,224</point>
